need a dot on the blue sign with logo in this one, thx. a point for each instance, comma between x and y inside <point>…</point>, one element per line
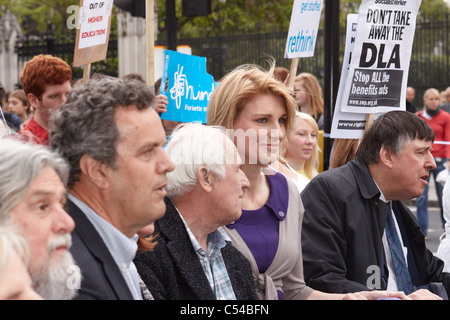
<point>189,87</point>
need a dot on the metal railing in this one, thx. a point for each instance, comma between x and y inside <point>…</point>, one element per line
<point>429,66</point>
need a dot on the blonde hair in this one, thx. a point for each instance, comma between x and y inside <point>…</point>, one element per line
<point>314,92</point>
<point>239,87</point>
<point>311,166</point>
<point>342,152</point>
<point>431,92</point>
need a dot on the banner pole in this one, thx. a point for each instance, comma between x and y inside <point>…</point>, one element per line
<point>293,73</point>
<point>86,71</point>
<point>150,41</point>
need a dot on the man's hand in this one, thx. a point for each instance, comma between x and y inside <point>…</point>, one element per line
<point>423,294</point>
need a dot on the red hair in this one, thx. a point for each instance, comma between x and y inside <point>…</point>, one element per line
<point>44,70</point>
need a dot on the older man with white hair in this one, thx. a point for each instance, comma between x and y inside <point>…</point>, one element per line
<point>32,196</point>
<point>194,257</point>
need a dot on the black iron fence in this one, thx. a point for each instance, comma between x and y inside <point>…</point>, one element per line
<point>224,53</point>
<point>63,48</point>
<point>429,67</point>
<point>430,60</point>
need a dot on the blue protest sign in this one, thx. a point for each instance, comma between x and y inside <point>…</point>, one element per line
<point>189,87</point>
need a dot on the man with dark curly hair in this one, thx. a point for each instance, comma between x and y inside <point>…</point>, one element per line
<point>113,140</point>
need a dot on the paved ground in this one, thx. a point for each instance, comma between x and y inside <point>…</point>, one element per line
<point>435,228</point>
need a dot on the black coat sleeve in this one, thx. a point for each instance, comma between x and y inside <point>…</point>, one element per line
<point>324,241</point>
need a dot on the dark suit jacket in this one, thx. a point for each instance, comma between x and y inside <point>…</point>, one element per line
<point>343,228</point>
<point>102,279</point>
<point>173,271</point>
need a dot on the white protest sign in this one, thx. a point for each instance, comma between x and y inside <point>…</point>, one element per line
<point>91,44</point>
<point>303,28</point>
<point>347,125</point>
<point>378,73</point>
<point>94,19</point>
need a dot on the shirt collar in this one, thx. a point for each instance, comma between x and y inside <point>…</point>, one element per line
<point>382,197</point>
<point>278,198</point>
<point>279,195</point>
<point>216,240</point>
<point>122,248</point>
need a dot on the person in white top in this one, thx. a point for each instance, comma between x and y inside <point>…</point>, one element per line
<point>443,251</point>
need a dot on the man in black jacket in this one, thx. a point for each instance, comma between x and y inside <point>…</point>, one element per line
<point>345,248</point>
<point>194,258</point>
<point>113,140</point>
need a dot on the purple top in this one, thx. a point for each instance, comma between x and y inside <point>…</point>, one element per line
<point>260,228</point>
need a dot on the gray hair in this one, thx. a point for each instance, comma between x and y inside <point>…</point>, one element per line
<point>85,123</point>
<point>20,163</point>
<point>191,146</point>
<point>11,241</point>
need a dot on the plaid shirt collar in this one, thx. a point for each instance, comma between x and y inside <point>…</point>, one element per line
<point>212,262</point>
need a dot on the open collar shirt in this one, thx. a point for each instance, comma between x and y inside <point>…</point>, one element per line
<point>122,249</point>
<point>212,262</point>
<point>391,281</point>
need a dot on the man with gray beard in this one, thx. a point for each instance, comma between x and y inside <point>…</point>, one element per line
<point>32,196</point>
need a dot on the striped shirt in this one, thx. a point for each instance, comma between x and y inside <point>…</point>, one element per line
<point>212,262</point>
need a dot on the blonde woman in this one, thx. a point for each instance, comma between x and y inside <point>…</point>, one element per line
<point>302,152</point>
<point>309,96</point>
<point>258,110</point>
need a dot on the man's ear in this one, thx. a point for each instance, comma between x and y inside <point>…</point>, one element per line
<point>34,101</point>
<point>204,178</point>
<point>386,157</point>
<point>94,171</point>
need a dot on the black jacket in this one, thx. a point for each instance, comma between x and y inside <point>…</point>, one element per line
<point>342,233</point>
<point>172,271</point>
<point>101,277</point>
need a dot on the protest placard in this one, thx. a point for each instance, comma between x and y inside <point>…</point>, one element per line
<point>378,72</point>
<point>302,34</point>
<point>347,125</point>
<point>91,44</point>
<point>303,28</point>
<point>160,51</point>
<point>189,87</point>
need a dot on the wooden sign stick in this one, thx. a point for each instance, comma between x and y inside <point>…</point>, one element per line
<point>86,71</point>
<point>150,41</point>
<point>293,73</point>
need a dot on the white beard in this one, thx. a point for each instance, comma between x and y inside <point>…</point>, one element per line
<point>56,279</point>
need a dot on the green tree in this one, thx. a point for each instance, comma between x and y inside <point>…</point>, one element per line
<point>35,15</point>
<point>227,17</point>
<point>231,17</point>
